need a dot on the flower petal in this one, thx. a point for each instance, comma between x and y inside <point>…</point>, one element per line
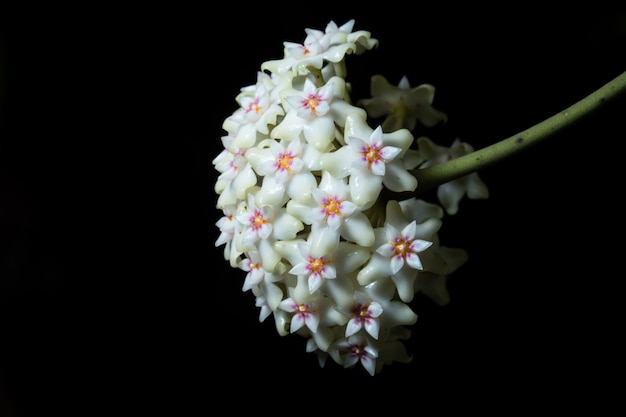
<point>358,228</point>
<point>377,268</point>
<point>364,187</point>
<point>297,322</point>
<point>372,327</point>
<point>353,326</point>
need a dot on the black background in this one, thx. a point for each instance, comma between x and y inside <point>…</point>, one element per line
<point>114,297</point>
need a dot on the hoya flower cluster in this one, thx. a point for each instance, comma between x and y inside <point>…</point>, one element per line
<point>309,194</point>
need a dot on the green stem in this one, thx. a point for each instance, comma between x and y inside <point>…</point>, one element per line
<point>428,178</point>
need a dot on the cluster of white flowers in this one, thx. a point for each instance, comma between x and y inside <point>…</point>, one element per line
<point>300,182</point>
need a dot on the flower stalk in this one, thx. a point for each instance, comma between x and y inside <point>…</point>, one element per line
<point>431,177</point>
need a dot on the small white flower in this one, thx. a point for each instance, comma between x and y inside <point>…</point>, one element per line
<point>285,161</point>
<point>261,282</point>
<point>257,222</point>
<point>363,313</point>
<point>402,247</point>
<point>265,310</point>
<point>227,226</point>
<point>318,48</point>
<point>332,214</point>
<point>253,265</point>
<point>284,167</point>
<point>332,208</point>
<point>357,349</point>
<point>236,174</point>
<point>403,105</point>
<point>397,246</point>
<point>371,159</point>
<point>304,314</point>
<point>372,153</point>
<point>258,110</point>
<point>315,269</point>
<point>312,102</point>
<point>343,34</point>
<point>317,263</point>
<point>311,346</point>
<point>451,193</point>
<point>315,112</point>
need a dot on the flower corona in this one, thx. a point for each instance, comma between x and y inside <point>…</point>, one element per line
<point>300,187</point>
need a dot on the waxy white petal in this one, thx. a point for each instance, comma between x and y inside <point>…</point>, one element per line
<point>300,187</point>
<point>414,261</point>
<point>378,267</point>
<point>364,188</point>
<point>358,228</point>
<point>372,326</point>
<point>353,326</point>
<point>323,240</point>
<point>338,163</point>
<point>320,132</point>
<point>312,322</point>
<point>315,282</point>
<point>286,226</point>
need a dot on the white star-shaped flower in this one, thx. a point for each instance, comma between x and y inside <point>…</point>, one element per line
<point>261,227</point>
<point>312,102</point>
<point>315,112</point>
<point>236,174</point>
<point>401,251</point>
<point>402,247</point>
<point>305,313</point>
<point>451,193</point>
<point>320,47</point>
<point>257,222</point>
<point>363,313</point>
<point>229,229</point>
<point>358,349</point>
<point>258,110</point>
<point>286,171</point>
<point>316,264</point>
<point>402,105</point>
<point>315,269</point>
<point>332,214</point>
<point>371,159</point>
<point>344,34</point>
